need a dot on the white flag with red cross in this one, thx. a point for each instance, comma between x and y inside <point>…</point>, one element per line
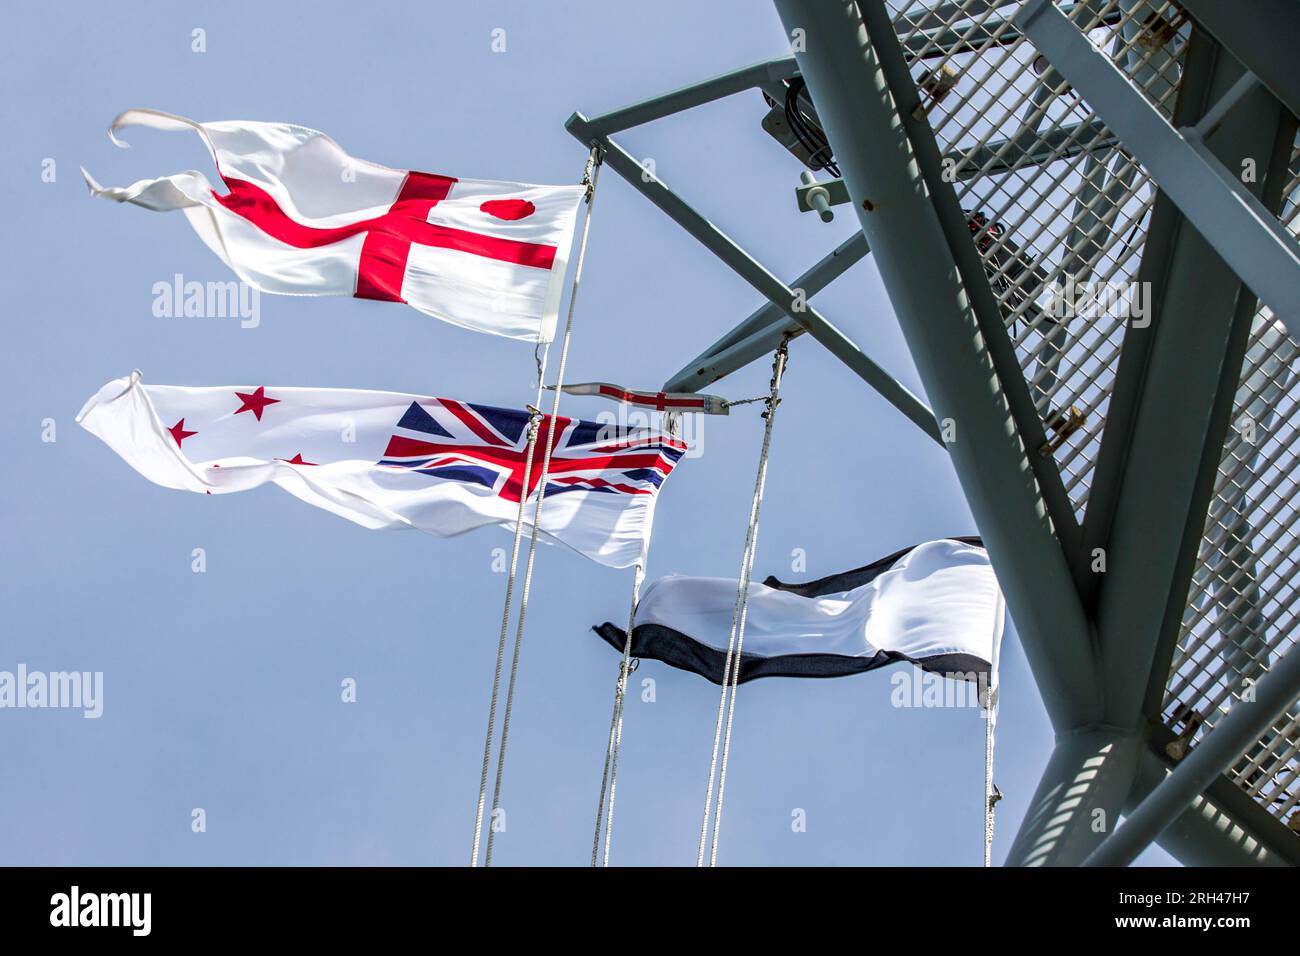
<point>299,216</point>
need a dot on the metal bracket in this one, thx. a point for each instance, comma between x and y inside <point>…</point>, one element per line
<point>1064,424</point>
<point>935,84</point>
<point>1191,721</point>
<point>760,278</point>
<point>834,191</point>
<point>1158,30</point>
<point>816,196</point>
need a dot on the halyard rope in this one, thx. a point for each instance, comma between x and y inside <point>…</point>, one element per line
<point>736,639</point>
<point>989,802</point>
<point>991,794</point>
<point>589,178</point>
<point>533,421</point>
<point>609,779</point>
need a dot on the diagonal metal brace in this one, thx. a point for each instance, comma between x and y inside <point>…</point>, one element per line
<point>749,269</point>
<point>762,332</point>
<point>767,75</point>
<point>1264,37</point>
<point>1216,753</point>
<point>1234,222</point>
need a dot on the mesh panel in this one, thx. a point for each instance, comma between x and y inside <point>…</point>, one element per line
<point>1240,616</point>
<point>1059,211</point>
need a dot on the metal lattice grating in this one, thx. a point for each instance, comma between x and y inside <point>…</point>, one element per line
<point>1055,201</point>
<point>1240,617</point>
<point>1053,196</point>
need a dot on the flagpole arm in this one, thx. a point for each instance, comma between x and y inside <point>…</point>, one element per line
<point>722,357</point>
<point>801,314</point>
<point>765,75</point>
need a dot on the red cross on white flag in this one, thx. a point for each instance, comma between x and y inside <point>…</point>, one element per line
<point>297,215</point>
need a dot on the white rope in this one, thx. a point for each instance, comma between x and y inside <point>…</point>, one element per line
<point>736,638</point>
<point>991,704</point>
<point>989,801</point>
<point>592,173</point>
<point>610,776</point>
<point>604,777</point>
<point>505,618</point>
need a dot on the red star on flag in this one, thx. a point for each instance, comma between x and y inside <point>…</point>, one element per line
<point>297,460</point>
<point>179,433</point>
<point>255,401</point>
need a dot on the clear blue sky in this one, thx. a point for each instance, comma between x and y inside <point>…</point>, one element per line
<point>222,690</point>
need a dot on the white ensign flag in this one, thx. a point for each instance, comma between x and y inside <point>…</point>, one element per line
<point>389,460</point>
<point>298,216</point>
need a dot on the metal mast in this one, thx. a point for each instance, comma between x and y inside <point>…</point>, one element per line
<point>1084,214</point>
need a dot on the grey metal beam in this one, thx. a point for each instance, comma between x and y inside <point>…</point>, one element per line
<point>970,37</point>
<point>971,272</point>
<point>1121,411</point>
<point>1223,827</point>
<point>1241,230</point>
<point>826,270</point>
<point>1239,138</point>
<point>890,158</point>
<point>770,73</point>
<point>1166,222</point>
<point>893,204</point>
<point>1217,751</point>
<point>1264,36</point>
<point>1191,353</point>
<point>1063,142</point>
<point>749,269</point>
<point>1204,834</point>
<point>697,94</point>
<point>1082,789</point>
<point>721,358</point>
<point>1168,415</point>
<point>754,347</point>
